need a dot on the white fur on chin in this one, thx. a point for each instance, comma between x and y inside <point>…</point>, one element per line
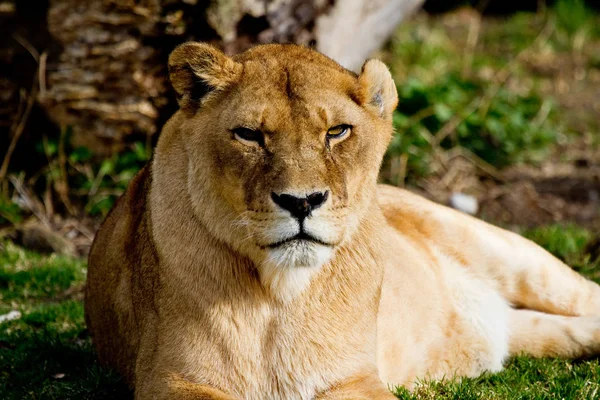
<point>288,269</point>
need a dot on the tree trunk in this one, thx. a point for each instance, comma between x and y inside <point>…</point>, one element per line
<point>108,82</point>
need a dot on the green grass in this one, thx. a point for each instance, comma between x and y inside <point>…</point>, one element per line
<point>47,353</point>
<point>523,378</point>
<point>29,276</point>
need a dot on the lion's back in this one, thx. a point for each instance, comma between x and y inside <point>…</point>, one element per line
<point>110,290</point>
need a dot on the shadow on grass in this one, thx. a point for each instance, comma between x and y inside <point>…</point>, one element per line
<point>47,354</point>
<point>44,365</point>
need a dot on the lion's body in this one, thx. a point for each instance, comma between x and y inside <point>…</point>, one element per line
<point>185,308</point>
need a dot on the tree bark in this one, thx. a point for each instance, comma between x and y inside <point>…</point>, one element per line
<point>108,81</point>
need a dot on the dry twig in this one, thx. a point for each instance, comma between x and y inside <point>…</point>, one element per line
<point>19,128</point>
<point>476,161</point>
<point>18,131</point>
<point>30,201</point>
<point>472,39</point>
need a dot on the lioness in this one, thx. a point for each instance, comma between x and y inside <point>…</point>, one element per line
<point>256,257</point>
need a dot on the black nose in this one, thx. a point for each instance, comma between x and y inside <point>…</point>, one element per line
<point>300,207</point>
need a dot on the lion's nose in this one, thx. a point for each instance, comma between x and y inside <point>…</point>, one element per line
<point>300,207</point>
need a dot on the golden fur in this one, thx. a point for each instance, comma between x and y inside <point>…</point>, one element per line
<point>195,290</point>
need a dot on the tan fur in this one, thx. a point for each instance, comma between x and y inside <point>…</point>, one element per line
<point>189,297</point>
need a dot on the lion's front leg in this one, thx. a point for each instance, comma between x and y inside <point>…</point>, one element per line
<point>157,377</point>
<point>360,387</point>
<point>175,387</point>
<point>182,389</point>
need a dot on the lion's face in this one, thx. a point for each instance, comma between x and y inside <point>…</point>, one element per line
<point>284,148</point>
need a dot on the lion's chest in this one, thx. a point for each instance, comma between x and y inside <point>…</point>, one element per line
<point>259,351</point>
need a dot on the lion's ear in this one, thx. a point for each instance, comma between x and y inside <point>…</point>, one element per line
<point>378,88</point>
<point>197,69</point>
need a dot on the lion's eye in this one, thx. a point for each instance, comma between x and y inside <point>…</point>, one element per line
<point>338,131</point>
<point>248,136</point>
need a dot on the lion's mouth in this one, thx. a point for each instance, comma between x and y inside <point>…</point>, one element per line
<point>302,236</point>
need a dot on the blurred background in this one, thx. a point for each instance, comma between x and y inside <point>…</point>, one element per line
<point>499,116</point>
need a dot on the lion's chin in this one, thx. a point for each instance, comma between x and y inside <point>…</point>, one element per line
<point>288,269</point>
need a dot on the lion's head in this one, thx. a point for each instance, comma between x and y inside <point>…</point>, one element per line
<point>284,147</point>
